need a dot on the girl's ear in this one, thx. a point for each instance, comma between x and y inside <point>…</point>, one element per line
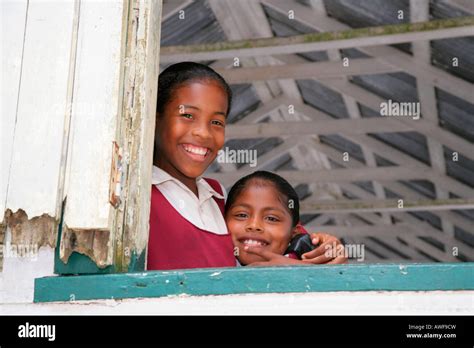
<point>298,229</point>
<point>295,230</point>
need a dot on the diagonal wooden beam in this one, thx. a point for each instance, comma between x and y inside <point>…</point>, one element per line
<point>465,5</point>
<point>419,228</point>
<point>246,19</point>
<point>394,155</point>
<point>171,8</point>
<point>428,129</point>
<point>362,37</point>
<point>438,77</point>
<point>354,113</point>
<point>227,15</point>
<point>374,102</point>
<point>337,156</point>
<point>393,240</point>
<point>373,243</point>
<point>265,110</point>
<point>395,187</point>
<point>407,194</point>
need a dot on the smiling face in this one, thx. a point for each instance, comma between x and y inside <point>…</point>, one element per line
<point>259,216</point>
<point>191,131</point>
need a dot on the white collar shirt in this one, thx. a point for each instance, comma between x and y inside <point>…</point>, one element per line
<point>203,211</point>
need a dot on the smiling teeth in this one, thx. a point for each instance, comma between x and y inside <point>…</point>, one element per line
<point>196,150</point>
<point>253,242</point>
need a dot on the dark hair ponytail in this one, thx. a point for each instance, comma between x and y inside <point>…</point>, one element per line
<point>283,187</point>
<point>182,73</point>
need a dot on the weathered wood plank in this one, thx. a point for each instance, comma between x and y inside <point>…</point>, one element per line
<point>221,281</point>
<point>137,136</point>
<point>41,113</point>
<point>94,114</point>
<point>93,129</point>
<point>13,18</point>
<point>115,96</point>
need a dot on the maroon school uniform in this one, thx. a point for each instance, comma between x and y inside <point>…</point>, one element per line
<point>176,243</point>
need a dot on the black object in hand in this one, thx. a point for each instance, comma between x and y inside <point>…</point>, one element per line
<point>300,244</point>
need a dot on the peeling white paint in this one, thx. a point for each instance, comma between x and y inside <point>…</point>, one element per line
<point>36,145</point>
<point>13,16</point>
<point>94,115</point>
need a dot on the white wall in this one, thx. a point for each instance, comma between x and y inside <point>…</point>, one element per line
<point>325,303</point>
<point>19,273</point>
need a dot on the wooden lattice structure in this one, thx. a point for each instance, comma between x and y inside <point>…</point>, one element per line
<point>312,111</point>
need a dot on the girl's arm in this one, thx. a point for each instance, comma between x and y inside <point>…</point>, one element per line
<point>329,251</point>
<point>271,258</point>
<point>321,255</point>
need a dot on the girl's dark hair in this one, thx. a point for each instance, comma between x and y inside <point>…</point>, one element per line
<point>182,73</point>
<point>283,187</point>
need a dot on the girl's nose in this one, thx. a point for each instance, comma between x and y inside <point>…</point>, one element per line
<point>201,130</point>
<point>254,225</point>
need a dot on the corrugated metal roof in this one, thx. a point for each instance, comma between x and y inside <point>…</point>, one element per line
<point>456,115</point>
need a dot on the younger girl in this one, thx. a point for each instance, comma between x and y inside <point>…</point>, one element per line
<point>187,227</point>
<point>262,215</point>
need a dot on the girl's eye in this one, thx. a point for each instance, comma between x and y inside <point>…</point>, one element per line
<point>241,215</point>
<point>189,116</point>
<point>218,123</point>
<point>273,218</point>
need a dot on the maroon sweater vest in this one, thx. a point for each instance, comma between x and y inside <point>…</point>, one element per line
<point>175,243</point>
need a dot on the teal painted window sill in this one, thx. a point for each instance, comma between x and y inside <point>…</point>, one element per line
<point>241,280</point>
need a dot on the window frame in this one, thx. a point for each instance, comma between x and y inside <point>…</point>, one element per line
<point>255,280</point>
<point>126,278</point>
<point>136,112</point>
